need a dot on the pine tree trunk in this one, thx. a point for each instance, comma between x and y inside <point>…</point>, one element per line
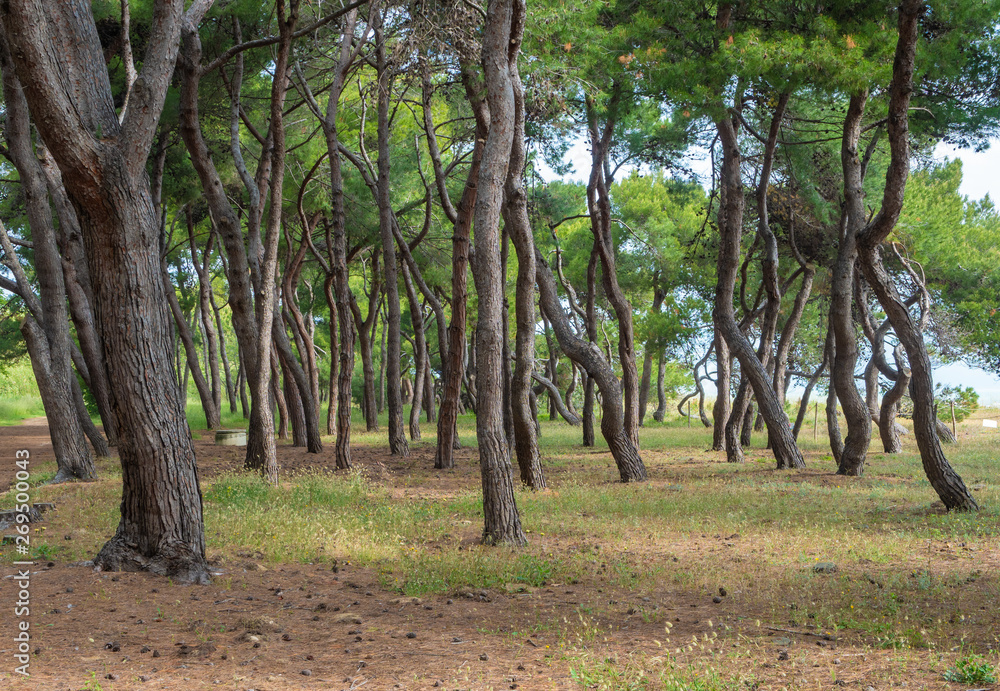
<point>723,374</point>
<point>785,450</point>
<point>856,412</point>
<point>501,40</point>
<point>515,217</point>
<point>589,356</point>
<point>661,394</point>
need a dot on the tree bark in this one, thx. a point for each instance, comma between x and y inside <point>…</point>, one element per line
<point>943,478</point>
<point>501,42</point>
<point>366,332</point>
<point>851,461</point>
<point>255,365</point>
<point>48,338</point>
<point>661,394</point>
<point>647,360</point>
<point>723,375</point>
<point>589,356</point>
<point>419,354</point>
<point>599,206</point>
<point>515,217</point>
<point>563,410</point>
<point>57,53</point>
<point>785,451</point>
<point>454,365</point>
<point>201,268</point>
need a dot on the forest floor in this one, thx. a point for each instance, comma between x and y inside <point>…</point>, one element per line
<point>708,577</point>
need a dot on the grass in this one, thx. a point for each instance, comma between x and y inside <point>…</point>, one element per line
<point>911,577</point>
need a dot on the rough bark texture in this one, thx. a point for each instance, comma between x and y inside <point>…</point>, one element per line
<point>515,217</point>
<point>786,452</point>
<point>261,450</point>
<point>852,460</point>
<point>392,351</point>
<point>589,356</point>
<point>58,58</point>
<point>943,478</point>
<point>47,333</point>
<point>723,375</point>
<point>501,42</point>
<point>454,365</point>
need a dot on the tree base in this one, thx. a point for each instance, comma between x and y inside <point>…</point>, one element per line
<point>172,560</point>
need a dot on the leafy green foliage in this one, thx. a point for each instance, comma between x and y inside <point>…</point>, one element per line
<point>972,669</point>
<point>966,399</point>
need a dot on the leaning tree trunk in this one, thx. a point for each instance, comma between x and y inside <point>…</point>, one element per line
<point>599,206</point>
<point>254,363</point>
<point>890,405</point>
<point>48,339</point>
<point>561,407</point>
<point>589,356</point>
<point>786,452</point>
<point>73,459</point>
<point>500,44</point>
<point>943,478</point>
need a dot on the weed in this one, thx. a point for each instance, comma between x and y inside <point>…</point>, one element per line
<point>972,669</point>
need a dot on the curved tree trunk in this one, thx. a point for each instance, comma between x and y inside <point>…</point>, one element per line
<point>890,405</point>
<point>255,366</point>
<point>563,410</point>
<point>589,356</point>
<point>515,216</point>
<point>852,459</point>
<point>786,452</point>
<point>943,478</point>
<point>599,205</point>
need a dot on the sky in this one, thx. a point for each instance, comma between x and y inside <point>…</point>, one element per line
<point>980,177</point>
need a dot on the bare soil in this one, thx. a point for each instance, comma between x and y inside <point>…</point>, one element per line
<point>266,626</point>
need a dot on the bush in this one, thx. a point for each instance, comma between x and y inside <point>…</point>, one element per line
<point>966,401</point>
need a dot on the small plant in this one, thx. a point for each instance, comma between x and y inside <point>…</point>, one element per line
<point>972,669</point>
